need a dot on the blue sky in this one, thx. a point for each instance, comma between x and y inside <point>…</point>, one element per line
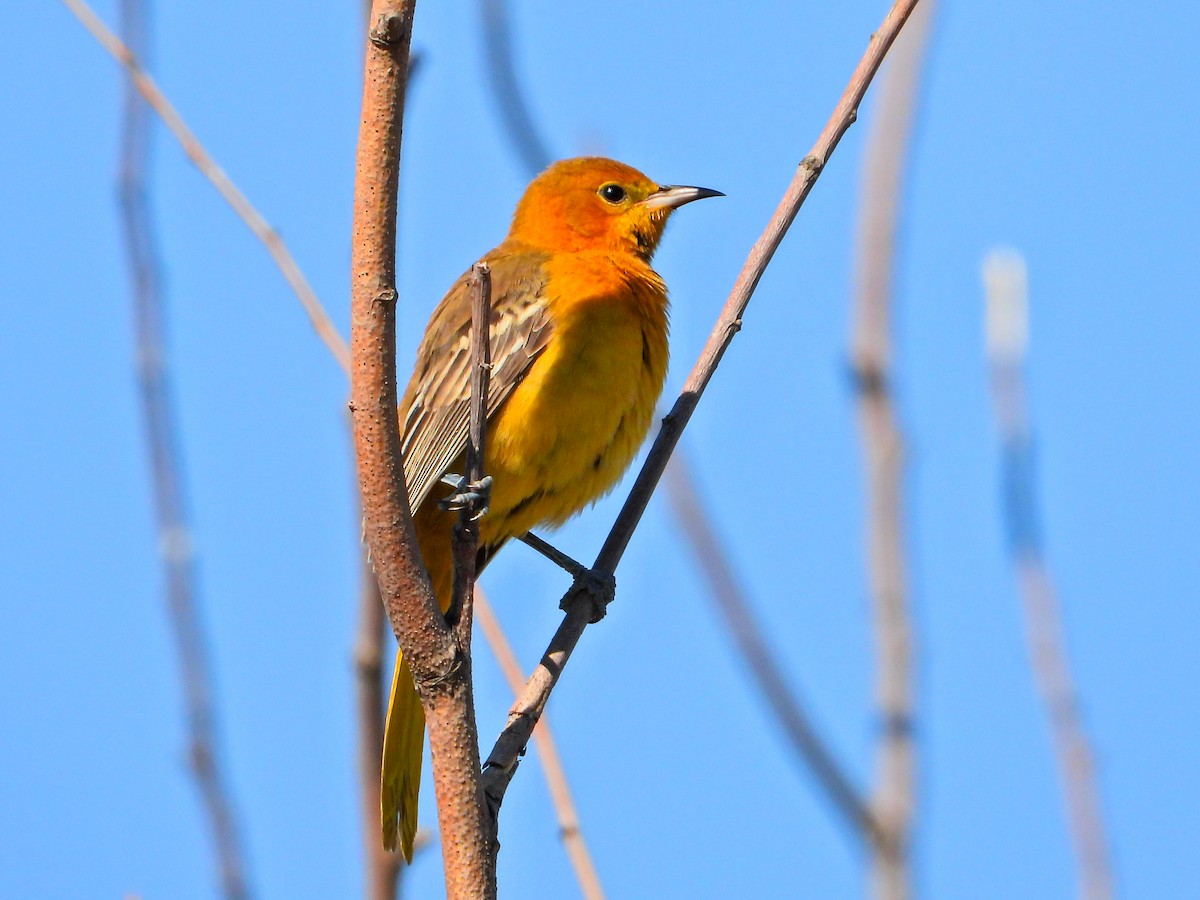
<point>1066,131</point>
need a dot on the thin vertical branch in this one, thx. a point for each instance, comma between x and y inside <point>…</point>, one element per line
<point>174,531</point>
<point>758,656</point>
<point>384,868</point>
<point>524,714</point>
<point>556,777</point>
<point>1007,338</point>
<point>440,663</point>
<point>465,539</point>
<point>884,170</point>
<point>195,151</point>
<point>510,100</point>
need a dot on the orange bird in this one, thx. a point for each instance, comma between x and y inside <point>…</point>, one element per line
<point>579,353</point>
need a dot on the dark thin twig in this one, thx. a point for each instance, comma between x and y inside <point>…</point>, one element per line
<point>572,567</point>
<point>884,167</point>
<point>195,151</point>
<point>510,100</point>
<point>465,542</point>
<point>752,644</point>
<point>502,761</point>
<point>174,532</point>
<point>1007,317</point>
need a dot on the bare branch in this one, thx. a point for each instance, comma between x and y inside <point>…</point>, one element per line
<point>884,167</point>
<point>514,111</point>
<point>439,663</point>
<point>501,762</point>
<point>758,656</point>
<point>146,86</point>
<point>1007,317</point>
<point>556,776</point>
<point>174,531</point>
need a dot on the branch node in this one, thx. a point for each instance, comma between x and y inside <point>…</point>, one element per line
<point>435,683</point>
<point>593,587</point>
<point>390,32</point>
<point>869,379</point>
<point>386,297</point>
<point>813,163</point>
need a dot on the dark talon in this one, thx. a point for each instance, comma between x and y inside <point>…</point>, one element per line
<point>471,496</point>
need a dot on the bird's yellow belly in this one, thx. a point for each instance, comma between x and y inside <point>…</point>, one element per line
<point>568,432</point>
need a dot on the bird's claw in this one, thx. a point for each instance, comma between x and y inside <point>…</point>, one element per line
<point>595,588</point>
<point>472,496</point>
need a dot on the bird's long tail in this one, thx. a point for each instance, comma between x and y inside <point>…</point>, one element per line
<point>403,747</point>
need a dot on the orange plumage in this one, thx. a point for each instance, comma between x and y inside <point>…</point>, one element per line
<point>579,353</point>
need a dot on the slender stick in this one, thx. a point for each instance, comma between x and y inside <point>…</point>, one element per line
<point>465,540</point>
<point>174,531</point>
<point>1007,337</point>
<point>195,151</point>
<point>884,168</point>
<point>556,777</point>
<point>440,666</point>
<point>523,715</point>
<point>756,652</point>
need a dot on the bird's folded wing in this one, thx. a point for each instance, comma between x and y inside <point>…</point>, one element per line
<point>435,411</point>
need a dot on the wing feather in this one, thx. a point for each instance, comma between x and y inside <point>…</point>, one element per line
<point>436,407</point>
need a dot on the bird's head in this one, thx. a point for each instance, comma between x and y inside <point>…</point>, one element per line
<point>593,203</point>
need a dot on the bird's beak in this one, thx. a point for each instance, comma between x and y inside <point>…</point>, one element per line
<point>670,196</point>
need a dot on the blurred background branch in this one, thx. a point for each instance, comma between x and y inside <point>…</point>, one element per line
<point>750,641</point>
<point>208,167</point>
<point>383,867</point>
<point>517,121</point>
<point>1006,284</point>
<point>885,167</point>
<point>175,544</point>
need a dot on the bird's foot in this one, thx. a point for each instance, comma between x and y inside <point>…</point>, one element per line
<point>597,589</point>
<point>472,496</point>
<point>590,586</point>
<point>572,567</point>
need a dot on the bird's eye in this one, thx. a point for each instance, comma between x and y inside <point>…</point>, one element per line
<point>612,192</point>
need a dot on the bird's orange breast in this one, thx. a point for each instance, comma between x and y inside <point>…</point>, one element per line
<point>571,428</point>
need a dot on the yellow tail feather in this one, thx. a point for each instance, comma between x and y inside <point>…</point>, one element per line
<point>400,775</point>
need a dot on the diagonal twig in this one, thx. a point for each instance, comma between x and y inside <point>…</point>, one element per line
<point>174,531</point>
<point>752,643</point>
<point>501,762</point>
<point>531,149</point>
<point>884,166</point>
<point>1005,280</point>
<point>195,151</point>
